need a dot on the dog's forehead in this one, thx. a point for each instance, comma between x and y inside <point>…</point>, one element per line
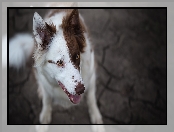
<point>58,47</point>
<point>59,50</point>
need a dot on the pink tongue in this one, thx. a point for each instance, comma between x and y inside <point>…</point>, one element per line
<point>75,98</point>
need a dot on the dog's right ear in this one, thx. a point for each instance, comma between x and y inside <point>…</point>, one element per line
<point>42,31</point>
<point>38,26</point>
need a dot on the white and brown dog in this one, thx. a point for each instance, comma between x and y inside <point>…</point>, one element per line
<point>63,61</point>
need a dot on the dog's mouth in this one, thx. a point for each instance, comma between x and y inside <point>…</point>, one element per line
<point>73,98</point>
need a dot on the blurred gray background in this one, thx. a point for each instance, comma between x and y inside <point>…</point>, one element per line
<point>130,47</point>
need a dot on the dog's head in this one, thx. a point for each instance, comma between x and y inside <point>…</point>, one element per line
<point>58,49</point>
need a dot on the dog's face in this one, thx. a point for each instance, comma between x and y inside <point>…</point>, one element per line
<point>58,52</point>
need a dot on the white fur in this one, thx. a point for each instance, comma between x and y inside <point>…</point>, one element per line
<point>59,51</point>
<point>47,74</point>
<point>20,48</point>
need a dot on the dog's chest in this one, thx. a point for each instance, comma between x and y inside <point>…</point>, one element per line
<point>59,97</point>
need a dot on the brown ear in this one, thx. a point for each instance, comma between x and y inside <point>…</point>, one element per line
<point>71,21</point>
<point>74,18</point>
<point>72,27</point>
<point>77,29</point>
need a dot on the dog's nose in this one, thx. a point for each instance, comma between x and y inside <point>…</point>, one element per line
<point>80,88</point>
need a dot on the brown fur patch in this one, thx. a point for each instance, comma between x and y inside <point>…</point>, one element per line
<point>46,33</point>
<point>74,35</point>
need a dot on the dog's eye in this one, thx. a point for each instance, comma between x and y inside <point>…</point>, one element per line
<point>77,56</point>
<point>60,63</point>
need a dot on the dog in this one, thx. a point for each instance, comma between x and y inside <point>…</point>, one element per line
<point>64,62</point>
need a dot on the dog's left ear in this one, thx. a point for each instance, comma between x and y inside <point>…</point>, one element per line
<point>71,22</point>
<point>74,19</point>
<point>42,31</point>
<point>72,26</point>
<point>77,29</point>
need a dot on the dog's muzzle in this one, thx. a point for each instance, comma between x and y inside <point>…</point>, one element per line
<point>80,88</point>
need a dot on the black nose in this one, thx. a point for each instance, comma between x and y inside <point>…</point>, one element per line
<point>80,88</point>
